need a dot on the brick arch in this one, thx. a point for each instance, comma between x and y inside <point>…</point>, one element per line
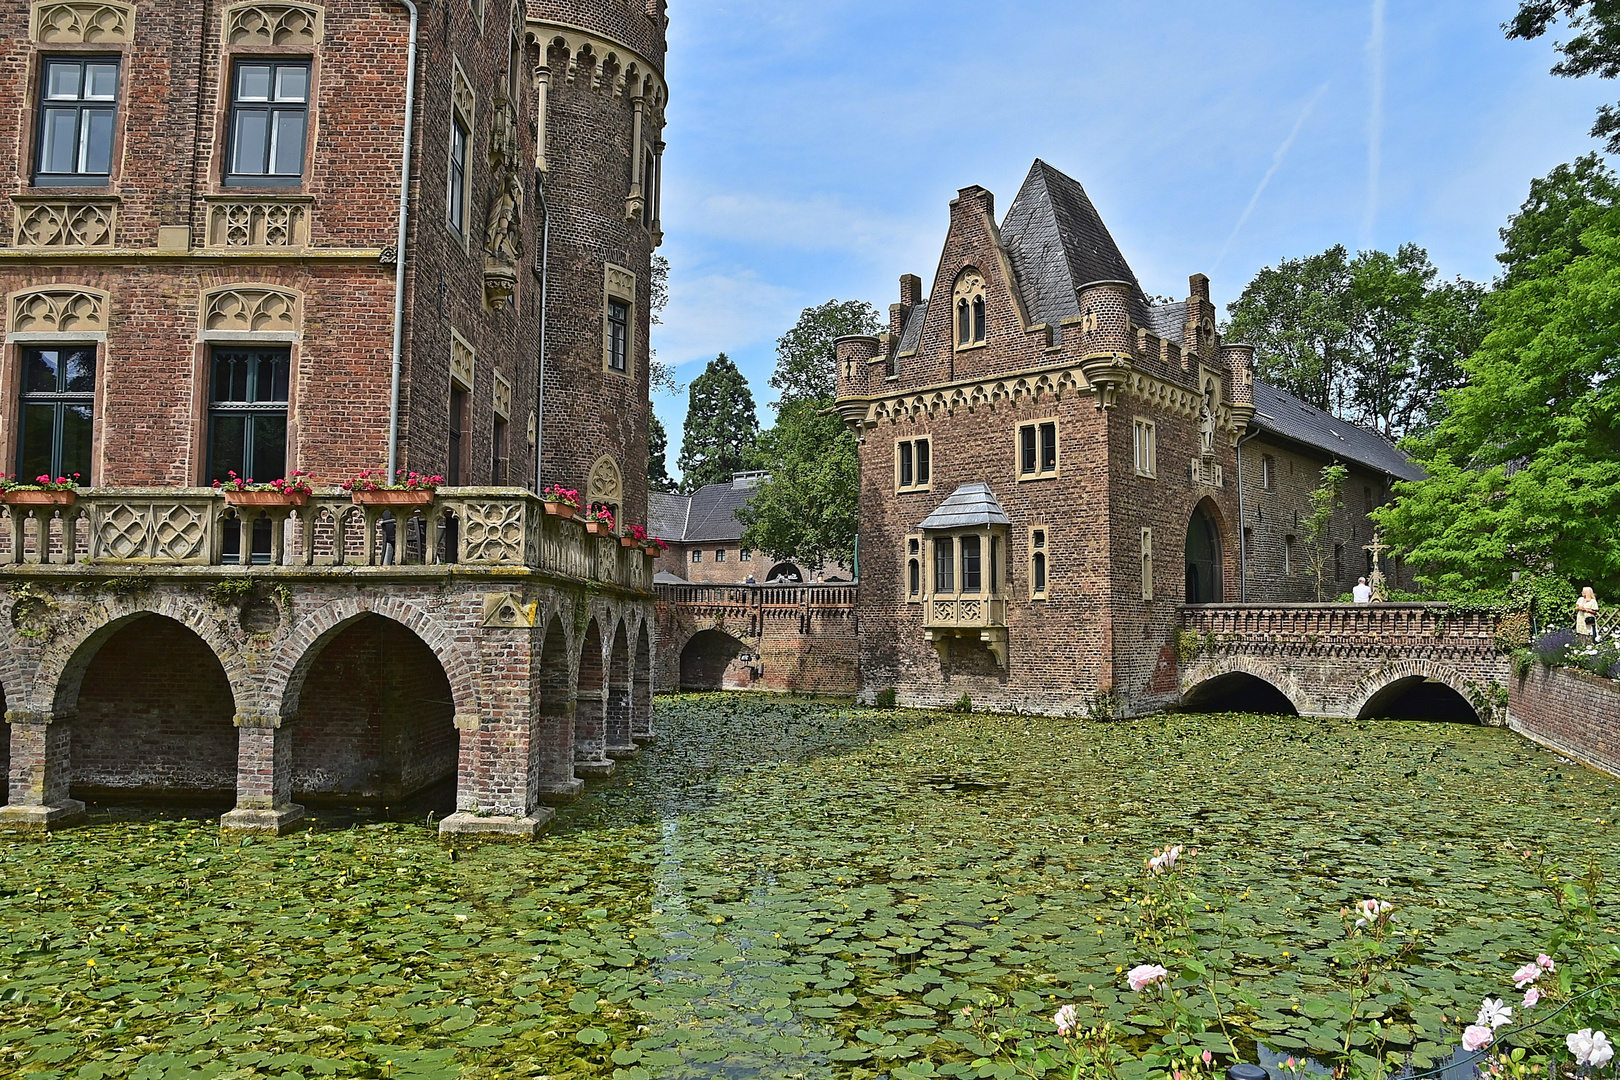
<point>298,654</point>
<point>1191,508</point>
<point>64,661</point>
<point>1282,681</point>
<point>1374,682</point>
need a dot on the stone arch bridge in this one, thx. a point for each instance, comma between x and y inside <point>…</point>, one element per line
<point>798,638</point>
<point>1344,660</point>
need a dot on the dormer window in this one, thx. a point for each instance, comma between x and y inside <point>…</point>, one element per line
<point>972,322</point>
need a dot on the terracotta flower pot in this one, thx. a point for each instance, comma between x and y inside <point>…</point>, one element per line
<point>597,528</point>
<point>266,498</point>
<point>420,497</point>
<point>651,549</point>
<point>629,542</point>
<point>40,498</point>
<point>559,509</point>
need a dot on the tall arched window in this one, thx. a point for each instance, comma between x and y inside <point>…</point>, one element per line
<point>972,321</point>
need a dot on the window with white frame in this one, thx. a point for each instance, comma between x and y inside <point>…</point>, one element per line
<point>1037,450</point>
<point>1145,441</point>
<point>913,467</point>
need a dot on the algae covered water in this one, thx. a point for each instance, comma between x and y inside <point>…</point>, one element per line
<point>785,888</point>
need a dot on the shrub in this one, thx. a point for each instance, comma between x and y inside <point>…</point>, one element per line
<point>1592,656</point>
<point>886,698</point>
<point>1552,647</point>
<point>963,704</point>
<point>1614,672</point>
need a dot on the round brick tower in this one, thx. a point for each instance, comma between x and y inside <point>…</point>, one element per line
<point>599,101</point>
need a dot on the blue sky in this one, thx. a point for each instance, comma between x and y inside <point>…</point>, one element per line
<point>813,147</point>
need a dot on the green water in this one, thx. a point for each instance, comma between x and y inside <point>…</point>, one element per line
<point>792,889</point>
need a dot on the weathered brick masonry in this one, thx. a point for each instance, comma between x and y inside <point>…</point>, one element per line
<point>1573,712</point>
<point>802,639</point>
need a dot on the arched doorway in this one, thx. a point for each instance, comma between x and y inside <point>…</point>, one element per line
<point>376,720</point>
<point>641,695</point>
<point>785,573</point>
<point>619,743</point>
<point>1237,691</point>
<point>1203,556</point>
<point>156,718</point>
<point>1419,698</point>
<point>590,709</point>
<point>706,657</point>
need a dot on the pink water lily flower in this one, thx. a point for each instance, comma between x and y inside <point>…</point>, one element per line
<point>1143,976</point>
<point>1545,963</point>
<point>1590,1047</point>
<point>1066,1019</point>
<point>1526,975</point>
<point>1477,1037</point>
<point>1165,860</point>
<point>1371,911</point>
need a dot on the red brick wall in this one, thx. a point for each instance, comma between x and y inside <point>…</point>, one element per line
<point>375,718</point>
<point>155,716</point>
<point>1573,712</point>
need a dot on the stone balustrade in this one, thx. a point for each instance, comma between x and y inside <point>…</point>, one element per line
<point>470,527</point>
<point>1354,625</point>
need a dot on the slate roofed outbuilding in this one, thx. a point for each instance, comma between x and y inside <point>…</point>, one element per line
<point>1282,414</point>
<point>708,515</point>
<point>666,514</point>
<point>967,507</point>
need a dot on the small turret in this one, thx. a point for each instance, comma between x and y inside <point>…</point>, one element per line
<point>1107,341</point>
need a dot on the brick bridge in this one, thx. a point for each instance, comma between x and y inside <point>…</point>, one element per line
<point>799,638</point>
<point>163,643</point>
<point>1344,660</point>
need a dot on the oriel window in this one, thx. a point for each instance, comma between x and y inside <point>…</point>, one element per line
<point>944,565</point>
<point>247,414</point>
<point>269,120</point>
<point>972,574</point>
<point>57,406</point>
<point>78,104</point>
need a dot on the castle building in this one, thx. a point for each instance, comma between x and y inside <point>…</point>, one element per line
<point>1052,462</point>
<point>278,237</point>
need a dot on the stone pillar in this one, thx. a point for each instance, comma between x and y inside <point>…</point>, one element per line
<point>553,744</point>
<point>657,193</point>
<point>641,698</point>
<point>41,769</point>
<point>542,93</point>
<point>590,735</point>
<point>263,777</point>
<point>633,205</point>
<point>620,743</point>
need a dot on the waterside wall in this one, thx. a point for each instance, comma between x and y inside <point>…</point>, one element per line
<point>1572,712</point>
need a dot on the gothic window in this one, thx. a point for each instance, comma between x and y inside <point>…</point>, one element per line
<point>1146,446</point>
<point>78,103</point>
<point>57,407</point>
<point>605,488</point>
<point>914,568</point>
<point>247,413</point>
<point>913,467</point>
<point>1037,564</point>
<point>268,123</point>
<point>618,304</point>
<point>972,323</point>
<point>1037,450</point>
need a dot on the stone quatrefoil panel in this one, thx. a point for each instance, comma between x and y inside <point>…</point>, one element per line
<point>274,24</point>
<point>82,22</point>
<point>251,310</point>
<point>65,223</point>
<point>495,532</point>
<point>58,311</point>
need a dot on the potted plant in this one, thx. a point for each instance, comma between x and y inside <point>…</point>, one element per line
<point>560,501</point>
<point>654,546</point>
<point>42,492</point>
<point>295,490</point>
<point>371,488</point>
<point>634,536</point>
<point>599,520</point>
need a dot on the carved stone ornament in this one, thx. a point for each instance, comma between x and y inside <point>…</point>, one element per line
<point>463,360</point>
<point>65,223</point>
<point>621,283</point>
<point>501,397</point>
<point>277,223</point>
<point>507,610</point>
<point>503,233</point>
<point>58,310</point>
<point>461,95</point>
<point>73,22</point>
<point>247,309</point>
<point>606,483</point>
<point>274,24</point>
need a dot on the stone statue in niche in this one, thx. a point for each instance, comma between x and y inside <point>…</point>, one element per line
<point>503,233</point>
<point>1206,420</point>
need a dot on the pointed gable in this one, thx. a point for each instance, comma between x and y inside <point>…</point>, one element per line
<point>1058,242</point>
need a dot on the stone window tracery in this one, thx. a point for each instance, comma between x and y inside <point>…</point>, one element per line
<point>618,307</point>
<point>605,488</point>
<point>972,320</point>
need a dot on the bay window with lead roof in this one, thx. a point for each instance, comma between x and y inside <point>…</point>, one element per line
<point>965,541</point>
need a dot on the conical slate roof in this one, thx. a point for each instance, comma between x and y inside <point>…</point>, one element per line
<point>969,506</point>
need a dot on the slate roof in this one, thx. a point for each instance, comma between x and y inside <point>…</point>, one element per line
<point>666,514</point>
<point>1168,321</point>
<point>911,336</point>
<point>967,506</point>
<point>1282,414</point>
<point>707,515</point>
<point>1057,242</point>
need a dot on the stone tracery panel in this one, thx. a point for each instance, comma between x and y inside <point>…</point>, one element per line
<point>76,22</point>
<point>64,223</point>
<point>606,483</point>
<point>251,309</point>
<point>58,309</point>
<point>274,24</point>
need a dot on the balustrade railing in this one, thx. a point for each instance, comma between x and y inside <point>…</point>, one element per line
<point>713,598</point>
<point>1339,624</point>
<point>484,527</point>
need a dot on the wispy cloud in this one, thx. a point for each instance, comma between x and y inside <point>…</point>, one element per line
<point>1375,121</point>
<point>1276,163</point>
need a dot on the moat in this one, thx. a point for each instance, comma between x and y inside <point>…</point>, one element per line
<point>790,888</point>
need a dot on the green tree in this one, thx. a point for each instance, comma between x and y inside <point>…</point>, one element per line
<point>1595,48</point>
<point>660,376</point>
<point>809,510</point>
<point>658,478</point>
<point>806,362</point>
<point>1318,524</point>
<point>721,427</point>
<point>1546,232</point>
<point>1298,316</point>
<point>1524,471</point>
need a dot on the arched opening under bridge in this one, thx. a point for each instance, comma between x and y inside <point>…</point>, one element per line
<point>1418,698</point>
<point>785,573</point>
<point>1237,691</point>
<point>706,658</point>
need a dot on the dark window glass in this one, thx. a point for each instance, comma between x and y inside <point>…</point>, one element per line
<point>1040,571</point>
<point>647,190</point>
<point>1026,449</point>
<point>498,452</point>
<point>720,555</point>
<point>995,564</point>
<point>970,564</point>
<point>944,565</point>
<point>618,335</point>
<point>964,324</point>
<point>458,410</point>
<point>922,461</point>
<point>1048,447</point>
<point>78,102</point>
<point>247,414</point>
<point>906,473</point>
<point>978,319</point>
<point>57,404</point>
<point>916,577</point>
<point>746,555</point>
<point>697,556</point>
<point>269,118</point>
<point>457,195</point>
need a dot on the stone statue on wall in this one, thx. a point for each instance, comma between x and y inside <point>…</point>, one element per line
<point>1206,421</point>
<point>503,232</point>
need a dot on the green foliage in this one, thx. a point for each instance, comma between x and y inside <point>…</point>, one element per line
<point>1186,644</point>
<point>1524,473</point>
<point>1316,525</point>
<point>1594,48</point>
<point>1546,232</point>
<point>231,590</point>
<point>806,362</point>
<point>1105,705</point>
<point>963,704</point>
<point>887,697</point>
<point>809,510</point>
<point>721,427</point>
<point>658,478</point>
<point>660,376</point>
<point>1373,339</point>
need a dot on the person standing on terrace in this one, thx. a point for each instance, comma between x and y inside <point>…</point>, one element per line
<point>1586,613</point>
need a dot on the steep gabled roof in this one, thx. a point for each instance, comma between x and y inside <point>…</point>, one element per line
<point>666,514</point>
<point>1281,413</point>
<point>1058,242</point>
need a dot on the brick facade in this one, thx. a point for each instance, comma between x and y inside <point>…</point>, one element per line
<point>1573,712</point>
<point>800,639</point>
